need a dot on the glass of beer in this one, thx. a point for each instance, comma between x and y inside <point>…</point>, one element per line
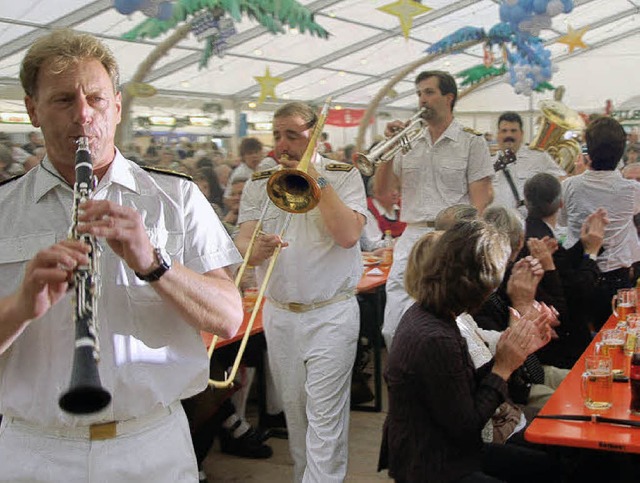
<point>611,345</point>
<point>597,383</point>
<point>624,303</point>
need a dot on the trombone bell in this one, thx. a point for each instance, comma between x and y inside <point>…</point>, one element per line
<point>293,190</point>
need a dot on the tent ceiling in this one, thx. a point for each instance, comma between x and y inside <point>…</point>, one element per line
<point>365,49</point>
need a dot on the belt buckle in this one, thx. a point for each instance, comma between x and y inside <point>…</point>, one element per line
<point>296,307</point>
<point>99,432</point>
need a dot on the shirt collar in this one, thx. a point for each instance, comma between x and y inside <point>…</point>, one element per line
<point>120,172</point>
<point>452,132</point>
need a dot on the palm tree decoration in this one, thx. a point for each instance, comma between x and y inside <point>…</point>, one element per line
<point>271,14</point>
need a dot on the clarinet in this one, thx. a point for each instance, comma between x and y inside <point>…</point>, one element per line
<point>85,394</point>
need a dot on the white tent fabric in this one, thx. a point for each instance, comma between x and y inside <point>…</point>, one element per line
<point>366,48</point>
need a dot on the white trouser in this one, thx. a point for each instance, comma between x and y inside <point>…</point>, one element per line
<point>398,301</point>
<point>160,451</point>
<point>311,356</point>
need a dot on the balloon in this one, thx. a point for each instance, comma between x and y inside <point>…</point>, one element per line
<point>554,8</point>
<point>165,11</point>
<point>127,7</point>
<point>517,15</point>
<point>540,6</point>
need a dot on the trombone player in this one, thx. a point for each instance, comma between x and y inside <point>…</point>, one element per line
<point>447,165</point>
<point>311,316</point>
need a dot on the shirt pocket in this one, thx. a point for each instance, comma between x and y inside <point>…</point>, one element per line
<point>15,252</point>
<point>452,179</point>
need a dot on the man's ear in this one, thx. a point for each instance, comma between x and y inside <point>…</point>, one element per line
<point>31,110</point>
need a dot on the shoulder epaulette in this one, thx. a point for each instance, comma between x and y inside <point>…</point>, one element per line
<point>12,178</point>
<point>470,130</point>
<point>263,174</point>
<point>339,167</point>
<point>170,172</point>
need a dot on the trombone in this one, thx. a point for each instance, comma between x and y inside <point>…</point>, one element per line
<point>386,150</point>
<point>293,191</point>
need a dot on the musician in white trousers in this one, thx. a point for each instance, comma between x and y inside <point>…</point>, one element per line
<point>162,279</point>
<point>311,316</point>
<point>447,165</point>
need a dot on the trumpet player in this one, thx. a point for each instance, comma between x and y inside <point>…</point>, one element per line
<point>311,315</point>
<point>447,165</point>
<point>163,279</point>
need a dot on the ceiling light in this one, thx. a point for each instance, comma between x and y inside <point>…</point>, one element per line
<point>447,64</point>
<point>258,52</point>
<point>252,105</point>
<point>285,96</point>
<point>322,82</point>
<point>293,30</point>
<point>338,107</point>
<point>363,61</point>
<point>341,73</point>
<point>185,84</point>
<point>332,14</point>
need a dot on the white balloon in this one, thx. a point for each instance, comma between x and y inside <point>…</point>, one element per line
<point>554,8</point>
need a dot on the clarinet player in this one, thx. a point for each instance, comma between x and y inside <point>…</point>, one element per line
<point>163,277</point>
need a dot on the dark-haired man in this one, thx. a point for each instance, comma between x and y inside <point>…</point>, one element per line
<point>602,186</point>
<point>508,183</point>
<point>448,164</point>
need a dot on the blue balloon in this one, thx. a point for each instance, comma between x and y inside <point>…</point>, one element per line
<point>540,6</point>
<point>517,15</point>
<point>126,7</point>
<point>165,11</point>
<point>568,5</point>
<point>527,5</point>
<point>505,12</point>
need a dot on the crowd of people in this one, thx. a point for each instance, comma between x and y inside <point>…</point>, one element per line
<point>488,301</point>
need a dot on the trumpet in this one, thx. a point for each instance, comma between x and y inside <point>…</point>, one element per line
<point>293,191</point>
<point>386,150</point>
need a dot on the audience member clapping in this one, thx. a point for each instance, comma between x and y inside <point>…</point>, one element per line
<point>438,401</point>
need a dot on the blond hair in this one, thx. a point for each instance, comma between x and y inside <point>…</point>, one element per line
<point>59,50</point>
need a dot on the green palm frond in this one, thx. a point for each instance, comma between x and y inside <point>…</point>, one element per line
<point>271,14</point>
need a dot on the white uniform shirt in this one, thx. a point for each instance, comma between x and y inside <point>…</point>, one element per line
<point>149,355</point>
<point>585,193</point>
<point>313,268</point>
<point>435,176</point>
<point>528,163</point>
<point>242,171</point>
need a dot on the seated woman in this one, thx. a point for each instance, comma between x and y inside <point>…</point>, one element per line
<point>438,401</point>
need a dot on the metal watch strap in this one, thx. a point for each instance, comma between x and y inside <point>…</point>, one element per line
<point>322,182</point>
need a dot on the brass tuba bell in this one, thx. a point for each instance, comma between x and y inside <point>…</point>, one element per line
<point>556,121</point>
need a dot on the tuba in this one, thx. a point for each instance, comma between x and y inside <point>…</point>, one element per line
<point>557,119</point>
<point>85,394</point>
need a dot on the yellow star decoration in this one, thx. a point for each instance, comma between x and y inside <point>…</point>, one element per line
<point>267,85</point>
<point>573,38</point>
<point>405,10</point>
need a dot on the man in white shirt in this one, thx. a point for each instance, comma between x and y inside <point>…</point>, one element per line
<point>508,183</point>
<point>447,165</point>
<point>602,186</point>
<point>162,279</point>
<point>311,315</point>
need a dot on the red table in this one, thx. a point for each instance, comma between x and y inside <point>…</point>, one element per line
<point>567,400</point>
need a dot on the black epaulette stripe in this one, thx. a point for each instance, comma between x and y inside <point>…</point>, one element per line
<point>13,178</point>
<point>472,131</point>
<point>154,169</point>
<point>339,167</point>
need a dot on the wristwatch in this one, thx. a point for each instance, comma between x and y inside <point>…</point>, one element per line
<point>322,182</point>
<point>164,262</point>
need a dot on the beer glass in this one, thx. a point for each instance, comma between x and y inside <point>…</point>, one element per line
<point>597,383</point>
<point>624,303</point>
<point>611,345</point>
